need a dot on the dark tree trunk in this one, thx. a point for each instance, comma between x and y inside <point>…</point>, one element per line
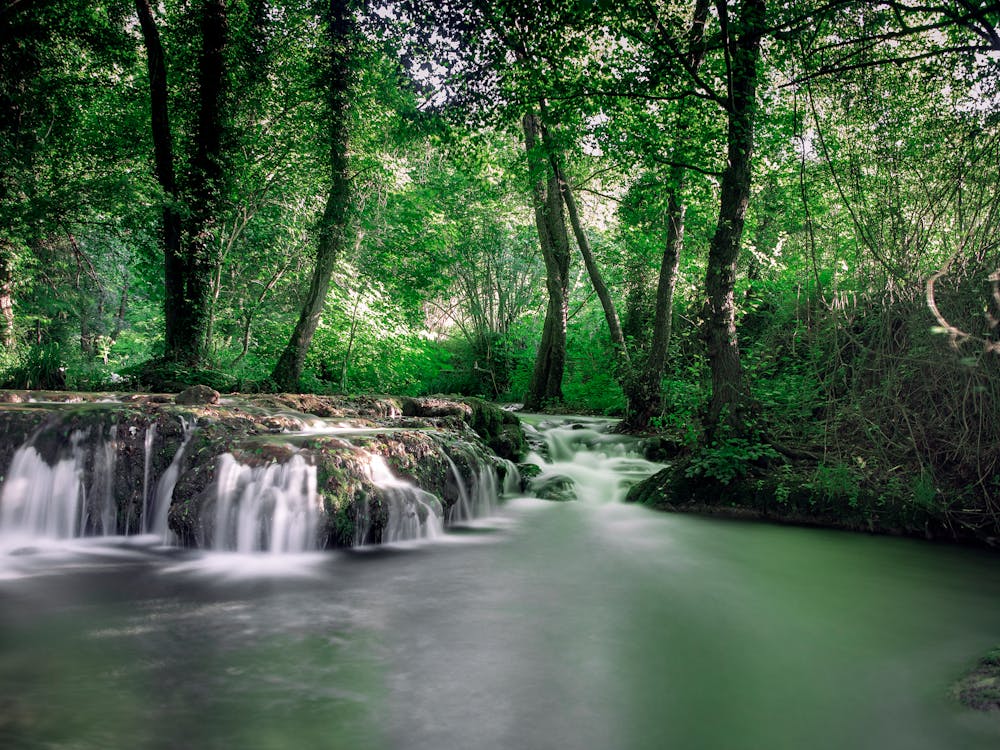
<point>190,247</point>
<point>730,396</point>
<point>550,362</point>
<point>643,390</point>
<point>189,342</point>
<point>163,153</point>
<point>333,231</point>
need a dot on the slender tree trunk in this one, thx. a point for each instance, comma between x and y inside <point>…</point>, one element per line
<point>333,229</point>
<point>644,389</point>
<point>350,345</point>
<point>730,395</point>
<point>550,362</point>
<point>163,153</point>
<point>120,315</point>
<point>250,311</point>
<point>596,278</point>
<point>7,333</point>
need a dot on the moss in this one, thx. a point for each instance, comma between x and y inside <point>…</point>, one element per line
<point>500,429</point>
<point>793,493</point>
<point>980,688</point>
<point>341,526</point>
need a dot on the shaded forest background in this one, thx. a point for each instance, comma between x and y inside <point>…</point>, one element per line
<point>760,229</point>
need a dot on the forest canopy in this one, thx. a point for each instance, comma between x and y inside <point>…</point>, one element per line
<point>747,224</point>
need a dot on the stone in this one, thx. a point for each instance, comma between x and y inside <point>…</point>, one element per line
<point>197,395</point>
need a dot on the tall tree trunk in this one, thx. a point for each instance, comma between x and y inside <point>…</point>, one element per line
<point>204,193</point>
<point>550,362</point>
<point>643,390</point>
<point>163,153</point>
<point>333,230</point>
<point>730,396</point>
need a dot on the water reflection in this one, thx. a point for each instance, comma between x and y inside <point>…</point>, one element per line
<point>554,625</point>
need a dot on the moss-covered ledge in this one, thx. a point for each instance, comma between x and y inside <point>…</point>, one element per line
<point>499,429</point>
<point>803,494</point>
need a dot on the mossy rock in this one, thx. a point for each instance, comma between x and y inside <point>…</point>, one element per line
<point>197,395</point>
<point>980,689</point>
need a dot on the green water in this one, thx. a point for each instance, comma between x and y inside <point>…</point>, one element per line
<point>561,626</point>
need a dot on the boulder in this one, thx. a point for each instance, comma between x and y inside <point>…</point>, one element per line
<point>197,395</point>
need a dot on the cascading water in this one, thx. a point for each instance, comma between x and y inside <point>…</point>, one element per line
<point>156,519</point>
<point>479,499</point>
<point>147,468</point>
<point>101,473</point>
<point>273,508</point>
<point>61,500</point>
<point>598,467</point>
<point>412,513</point>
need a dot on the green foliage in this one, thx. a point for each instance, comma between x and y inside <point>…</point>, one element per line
<point>836,483</point>
<point>728,458</point>
<point>42,367</point>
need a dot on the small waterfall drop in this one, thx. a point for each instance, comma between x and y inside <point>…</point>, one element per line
<point>273,508</point>
<point>105,513</point>
<point>147,468</point>
<point>462,509</point>
<point>511,478</point>
<point>412,513</point>
<point>156,520</point>
<point>56,501</point>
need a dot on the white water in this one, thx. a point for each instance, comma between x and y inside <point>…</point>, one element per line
<point>156,521</point>
<point>413,513</point>
<point>147,469</point>
<point>601,467</point>
<point>273,508</point>
<point>39,501</point>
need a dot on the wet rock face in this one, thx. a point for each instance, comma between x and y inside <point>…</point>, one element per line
<point>198,395</point>
<point>500,429</point>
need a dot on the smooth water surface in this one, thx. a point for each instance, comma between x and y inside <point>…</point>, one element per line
<point>579,625</point>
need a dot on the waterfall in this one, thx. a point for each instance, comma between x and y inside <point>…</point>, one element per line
<point>104,516</point>
<point>147,469</point>
<point>485,492</point>
<point>412,513</point>
<point>39,500</point>
<point>462,509</point>
<point>594,466</point>
<point>511,477</point>
<point>158,514</point>
<point>273,508</point>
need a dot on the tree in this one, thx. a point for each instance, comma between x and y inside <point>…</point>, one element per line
<point>550,361</point>
<point>334,227</point>
<point>741,41</point>
<point>192,204</point>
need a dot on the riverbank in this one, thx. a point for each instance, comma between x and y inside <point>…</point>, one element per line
<point>758,483</point>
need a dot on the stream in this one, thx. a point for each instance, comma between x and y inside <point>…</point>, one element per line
<point>585,625</point>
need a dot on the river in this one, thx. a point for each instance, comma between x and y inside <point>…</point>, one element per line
<point>588,625</point>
